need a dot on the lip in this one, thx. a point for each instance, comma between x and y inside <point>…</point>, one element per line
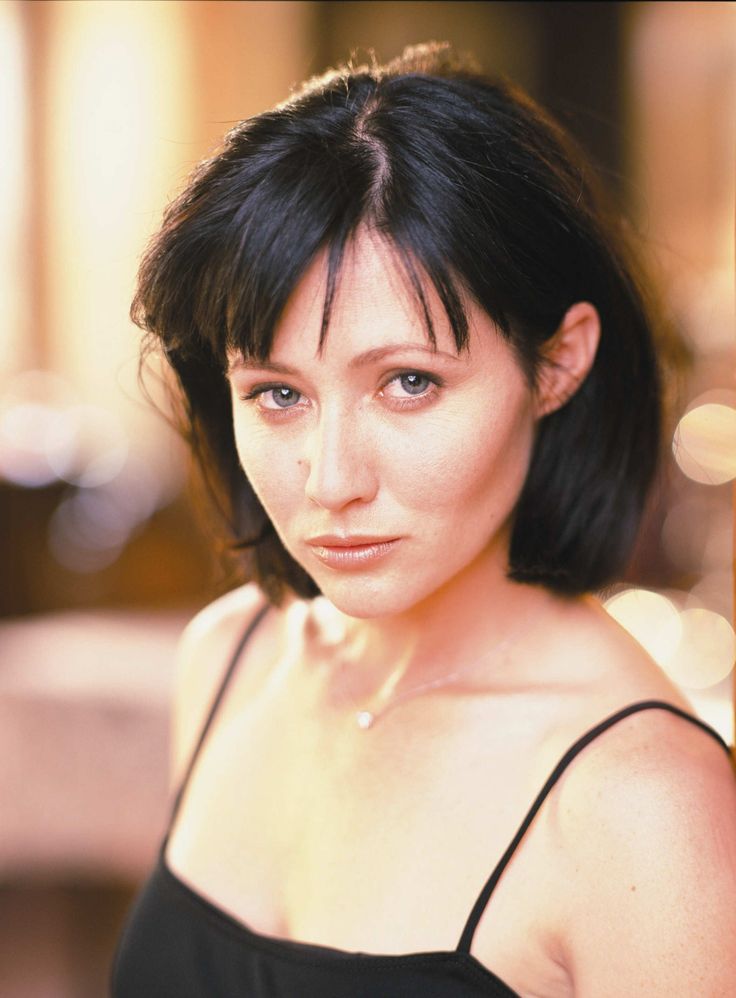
<point>349,541</point>
<point>352,555</point>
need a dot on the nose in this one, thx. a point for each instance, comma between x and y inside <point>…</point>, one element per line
<point>339,463</point>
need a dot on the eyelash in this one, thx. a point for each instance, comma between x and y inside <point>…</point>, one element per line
<point>410,402</point>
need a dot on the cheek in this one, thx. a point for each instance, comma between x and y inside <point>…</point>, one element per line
<point>460,462</point>
<point>271,469</point>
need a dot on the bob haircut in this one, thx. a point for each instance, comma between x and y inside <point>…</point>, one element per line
<point>480,193</point>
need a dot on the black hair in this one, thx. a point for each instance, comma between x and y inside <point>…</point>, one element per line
<point>480,192</point>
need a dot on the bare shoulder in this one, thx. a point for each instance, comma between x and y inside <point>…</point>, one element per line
<point>646,816</point>
<point>594,648</point>
<point>651,760</point>
<point>205,649</point>
<point>218,622</point>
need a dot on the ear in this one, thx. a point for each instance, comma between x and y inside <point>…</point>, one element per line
<point>567,357</point>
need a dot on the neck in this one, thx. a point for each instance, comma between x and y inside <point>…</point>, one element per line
<point>456,626</point>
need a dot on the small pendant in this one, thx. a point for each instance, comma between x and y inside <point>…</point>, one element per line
<point>365,719</point>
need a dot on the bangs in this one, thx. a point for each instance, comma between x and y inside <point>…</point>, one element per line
<point>246,278</point>
<point>252,317</point>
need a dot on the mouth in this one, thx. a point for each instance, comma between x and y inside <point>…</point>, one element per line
<point>351,552</point>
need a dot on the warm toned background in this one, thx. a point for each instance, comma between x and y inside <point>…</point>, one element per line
<point>104,108</point>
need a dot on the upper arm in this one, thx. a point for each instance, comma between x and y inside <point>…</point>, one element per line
<point>204,652</point>
<point>651,829</point>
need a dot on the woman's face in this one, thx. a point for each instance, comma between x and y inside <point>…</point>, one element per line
<point>381,436</point>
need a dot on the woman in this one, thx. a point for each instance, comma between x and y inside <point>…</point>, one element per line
<point>421,376</point>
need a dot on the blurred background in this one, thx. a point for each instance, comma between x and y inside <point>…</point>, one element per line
<point>104,109</point>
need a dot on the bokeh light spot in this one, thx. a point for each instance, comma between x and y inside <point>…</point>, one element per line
<point>87,445</point>
<point>30,407</point>
<point>704,444</point>
<point>706,650</point>
<point>650,618</point>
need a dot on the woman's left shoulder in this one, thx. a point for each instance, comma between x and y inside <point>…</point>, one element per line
<point>652,747</point>
<point>649,762</point>
<point>646,819</point>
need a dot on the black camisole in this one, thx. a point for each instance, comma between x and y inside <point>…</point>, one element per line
<point>177,944</point>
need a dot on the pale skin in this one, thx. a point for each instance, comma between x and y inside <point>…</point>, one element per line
<point>305,827</point>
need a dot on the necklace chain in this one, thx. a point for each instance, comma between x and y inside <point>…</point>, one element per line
<point>367,718</point>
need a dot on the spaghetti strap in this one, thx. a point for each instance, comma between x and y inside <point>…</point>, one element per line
<point>229,672</point>
<point>479,907</point>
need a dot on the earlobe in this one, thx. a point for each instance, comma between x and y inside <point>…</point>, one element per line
<point>567,357</point>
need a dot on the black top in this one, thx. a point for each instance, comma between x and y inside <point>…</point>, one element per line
<point>177,944</point>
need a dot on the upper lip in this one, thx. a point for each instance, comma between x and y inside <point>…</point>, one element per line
<point>347,541</point>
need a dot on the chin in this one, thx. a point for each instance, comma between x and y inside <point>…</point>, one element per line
<point>373,598</point>
<point>363,599</point>
<point>361,606</point>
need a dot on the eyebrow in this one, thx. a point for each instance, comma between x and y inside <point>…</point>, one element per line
<point>360,360</point>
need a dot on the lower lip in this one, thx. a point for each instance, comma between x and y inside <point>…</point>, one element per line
<point>356,556</point>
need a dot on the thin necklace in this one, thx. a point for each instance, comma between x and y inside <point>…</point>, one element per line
<point>367,719</point>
